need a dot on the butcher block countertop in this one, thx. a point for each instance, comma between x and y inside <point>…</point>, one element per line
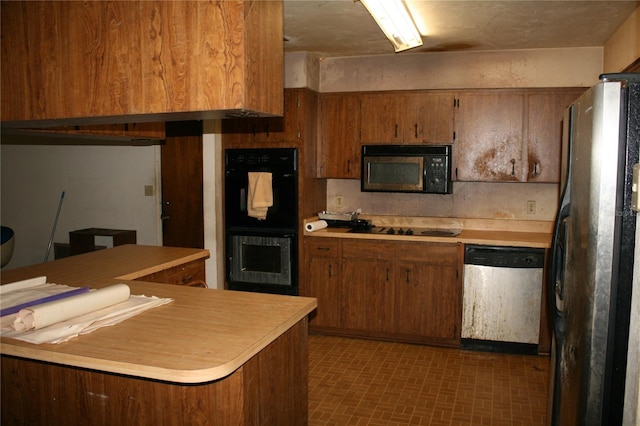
<point>495,232</point>
<point>202,336</point>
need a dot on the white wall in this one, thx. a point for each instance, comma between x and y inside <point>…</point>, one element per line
<point>623,48</point>
<point>104,188</point>
<point>575,67</point>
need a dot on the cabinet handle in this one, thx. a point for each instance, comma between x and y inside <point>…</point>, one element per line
<point>267,129</point>
<point>348,166</point>
<point>416,130</point>
<point>187,279</point>
<point>396,131</point>
<point>513,167</point>
<point>330,271</point>
<point>387,274</point>
<point>408,280</point>
<point>253,129</point>
<point>322,248</point>
<point>536,169</point>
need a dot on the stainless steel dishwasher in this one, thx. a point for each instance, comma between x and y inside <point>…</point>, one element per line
<point>502,292</point>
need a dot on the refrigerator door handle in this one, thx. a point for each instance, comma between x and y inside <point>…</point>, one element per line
<point>556,303</point>
<point>556,272</point>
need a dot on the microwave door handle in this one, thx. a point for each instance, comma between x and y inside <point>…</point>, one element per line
<point>425,173</point>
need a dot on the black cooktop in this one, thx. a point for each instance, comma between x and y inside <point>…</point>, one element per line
<point>407,231</point>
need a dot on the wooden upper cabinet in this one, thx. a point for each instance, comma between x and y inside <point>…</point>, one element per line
<point>406,118</point>
<point>339,136</point>
<point>510,136</point>
<point>544,132</point>
<point>288,128</point>
<point>489,129</point>
<point>381,119</point>
<point>428,117</point>
<point>103,62</point>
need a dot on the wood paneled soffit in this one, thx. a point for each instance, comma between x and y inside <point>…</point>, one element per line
<point>106,62</point>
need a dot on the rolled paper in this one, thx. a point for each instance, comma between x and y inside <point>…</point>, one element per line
<point>53,297</point>
<point>49,313</point>
<point>317,225</point>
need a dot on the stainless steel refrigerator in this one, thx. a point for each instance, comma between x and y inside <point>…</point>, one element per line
<point>592,263</point>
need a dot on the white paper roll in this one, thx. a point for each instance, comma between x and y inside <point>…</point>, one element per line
<point>314,226</point>
<point>61,310</point>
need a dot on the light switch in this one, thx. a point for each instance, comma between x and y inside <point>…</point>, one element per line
<point>148,190</point>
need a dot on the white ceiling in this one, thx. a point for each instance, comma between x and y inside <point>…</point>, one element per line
<point>344,28</point>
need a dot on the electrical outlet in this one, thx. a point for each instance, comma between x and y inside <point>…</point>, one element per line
<point>339,201</point>
<point>531,207</point>
<point>148,190</point>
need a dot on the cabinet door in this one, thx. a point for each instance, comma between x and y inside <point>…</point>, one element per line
<point>367,292</point>
<point>410,300</point>
<point>440,290</point>
<point>323,279</point>
<point>339,136</point>
<point>320,278</point>
<point>381,118</point>
<point>489,128</point>
<point>544,132</point>
<point>427,298</point>
<point>407,118</point>
<point>427,117</point>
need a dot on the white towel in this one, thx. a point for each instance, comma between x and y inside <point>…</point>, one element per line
<point>260,196</point>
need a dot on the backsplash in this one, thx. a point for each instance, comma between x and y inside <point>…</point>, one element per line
<point>478,200</point>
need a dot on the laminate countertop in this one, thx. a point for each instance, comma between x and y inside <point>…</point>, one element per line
<point>511,233</point>
<point>202,336</point>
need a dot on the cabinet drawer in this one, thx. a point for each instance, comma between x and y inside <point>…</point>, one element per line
<point>190,274</point>
<point>440,253</point>
<point>369,249</point>
<point>443,254</point>
<point>321,247</point>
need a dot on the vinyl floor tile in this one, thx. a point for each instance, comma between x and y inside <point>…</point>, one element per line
<point>368,383</point>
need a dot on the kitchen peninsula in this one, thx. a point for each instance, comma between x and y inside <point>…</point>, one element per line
<point>209,357</point>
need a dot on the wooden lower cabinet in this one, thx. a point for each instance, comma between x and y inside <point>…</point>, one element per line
<point>404,291</point>
<point>322,270</point>
<point>367,295</point>
<point>324,275</point>
<point>427,300</point>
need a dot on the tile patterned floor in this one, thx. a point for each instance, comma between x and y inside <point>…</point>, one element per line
<point>365,382</point>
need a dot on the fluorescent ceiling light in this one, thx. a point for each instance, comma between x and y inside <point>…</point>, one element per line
<point>394,20</point>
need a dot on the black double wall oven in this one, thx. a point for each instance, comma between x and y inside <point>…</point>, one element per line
<point>262,252</point>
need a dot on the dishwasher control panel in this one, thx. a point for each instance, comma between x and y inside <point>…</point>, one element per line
<point>504,257</point>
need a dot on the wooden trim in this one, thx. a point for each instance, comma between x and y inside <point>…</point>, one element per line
<point>634,67</point>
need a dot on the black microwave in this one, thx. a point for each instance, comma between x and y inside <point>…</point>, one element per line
<point>406,168</point>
